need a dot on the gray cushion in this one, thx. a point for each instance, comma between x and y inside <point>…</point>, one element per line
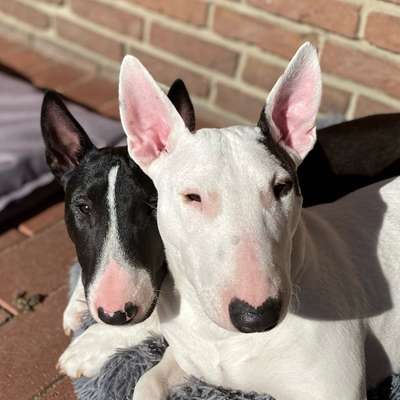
<point>22,163</point>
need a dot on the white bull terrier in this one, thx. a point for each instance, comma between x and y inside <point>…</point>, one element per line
<point>264,296</point>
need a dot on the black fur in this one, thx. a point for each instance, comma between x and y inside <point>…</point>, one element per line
<point>179,96</point>
<point>346,157</point>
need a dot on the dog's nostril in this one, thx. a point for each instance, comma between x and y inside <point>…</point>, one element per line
<point>118,317</point>
<point>248,319</point>
<point>131,310</point>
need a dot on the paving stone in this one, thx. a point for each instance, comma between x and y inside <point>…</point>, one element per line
<point>94,93</point>
<point>58,76</point>
<point>4,316</point>
<point>30,346</point>
<point>63,390</point>
<point>10,238</point>
<point>38,265</point>
<point>43,220</point>
<point>25,61</point>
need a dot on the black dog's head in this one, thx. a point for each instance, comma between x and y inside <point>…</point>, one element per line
<point>110,213</point>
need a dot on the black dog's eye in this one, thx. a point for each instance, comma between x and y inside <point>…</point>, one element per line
<point>84,208</point>
<point>193,197</point>
<point>282,188</point>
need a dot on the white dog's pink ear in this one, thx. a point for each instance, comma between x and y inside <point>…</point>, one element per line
<point>293,103</point>
<point>148,117</point>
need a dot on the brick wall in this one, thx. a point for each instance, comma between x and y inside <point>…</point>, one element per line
<point>229,52</point>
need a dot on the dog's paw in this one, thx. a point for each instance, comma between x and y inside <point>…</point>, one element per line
<point>72,317</point>
<point>86,355</point>
<point>149,388</point>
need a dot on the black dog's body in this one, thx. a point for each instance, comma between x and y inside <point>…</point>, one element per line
<point>350,155</point>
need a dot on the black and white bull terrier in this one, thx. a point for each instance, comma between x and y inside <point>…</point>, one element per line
<point>110,216</point>
<point>261,295</point>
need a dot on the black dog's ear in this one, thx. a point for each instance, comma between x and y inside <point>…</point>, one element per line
<point>65,140</point>
<point>180,98</point>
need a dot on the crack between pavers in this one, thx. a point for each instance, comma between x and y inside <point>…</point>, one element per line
<point>47,388</point>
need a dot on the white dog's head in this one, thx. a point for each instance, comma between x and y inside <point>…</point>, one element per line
<point>229,200</point>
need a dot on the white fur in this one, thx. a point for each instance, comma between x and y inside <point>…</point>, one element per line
<point>140,279</point>
<point>88,352</point>
<point>76,307</point>
<point>336,266</point>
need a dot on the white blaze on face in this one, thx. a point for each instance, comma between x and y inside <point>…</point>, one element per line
<point>117,280</point>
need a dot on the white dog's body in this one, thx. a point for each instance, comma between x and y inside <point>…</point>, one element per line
<point>343,305</point>
<point>262,296</point>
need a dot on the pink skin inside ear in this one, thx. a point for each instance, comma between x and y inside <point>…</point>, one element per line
<point>295,109</point>
<point>114,289</point>
<point>145,115</point>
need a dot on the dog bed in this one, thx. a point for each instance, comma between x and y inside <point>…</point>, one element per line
<point>117,379</point>
<point>23,168</point>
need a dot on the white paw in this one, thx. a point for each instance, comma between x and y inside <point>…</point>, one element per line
<point>89,352</point>
<point>149,388</point>
<point>72,316</point>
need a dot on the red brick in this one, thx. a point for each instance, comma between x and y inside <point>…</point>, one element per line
<point>26,61</point>
<point>334,100</point>
<point>92,41</point>
<point>9,46</point>
<point>30,346</point>
<point>43,220</point>
<point>384,31</point>
<point>110,17</point>
<point>93,93</point>
<point>261,74</point>
<point>58,2</point>
<point>63,390</point>
<point>333,15</point>
<point>166,72</point>
<point>4,316</point>
<point>210,119</point>
<point>38,265</point>
<point>192,11</point>
<point>59,76</point>
<point>366,106</point>
<point>10,238</point>
<point>238,102</point>
<point>110,109</point>
<point>25,13</point>
<point>197,50</point>
<point>362,67</point>
<point>267,36</point>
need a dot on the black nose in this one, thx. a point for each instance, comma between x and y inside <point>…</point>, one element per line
<point>118,317</point>
<point>247,319</point>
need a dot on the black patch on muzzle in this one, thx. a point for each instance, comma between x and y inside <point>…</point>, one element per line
<point>248,319</point>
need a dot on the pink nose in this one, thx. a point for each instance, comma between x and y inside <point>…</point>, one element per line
<point>113,301</point>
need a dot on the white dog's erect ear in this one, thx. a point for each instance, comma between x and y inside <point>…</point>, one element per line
<point>148,117</point>
<point>293,103</point>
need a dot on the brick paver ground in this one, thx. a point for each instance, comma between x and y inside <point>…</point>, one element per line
<point>35,255</point>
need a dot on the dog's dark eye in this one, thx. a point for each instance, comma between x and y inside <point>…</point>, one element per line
<point>282,188</point>
<point>84,208</point>
<point>190,197</point>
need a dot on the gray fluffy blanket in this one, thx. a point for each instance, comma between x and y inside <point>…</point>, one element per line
<point>118,377</point>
